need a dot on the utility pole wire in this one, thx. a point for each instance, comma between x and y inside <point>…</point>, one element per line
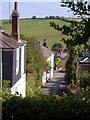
<point>9,12</point>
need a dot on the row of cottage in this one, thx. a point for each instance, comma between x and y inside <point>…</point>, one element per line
<point>13,60</point>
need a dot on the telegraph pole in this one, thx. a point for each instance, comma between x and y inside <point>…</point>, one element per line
<point>9,12</point>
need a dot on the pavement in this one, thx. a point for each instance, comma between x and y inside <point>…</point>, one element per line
<point>51,88</point>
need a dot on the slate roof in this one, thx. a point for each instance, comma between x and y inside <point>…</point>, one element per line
<point>7,42</point>
<point>46,51</point>
<point>62,55</point>
<point>85,58</point>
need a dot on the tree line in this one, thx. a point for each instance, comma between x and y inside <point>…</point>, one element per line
<point>48,17</point>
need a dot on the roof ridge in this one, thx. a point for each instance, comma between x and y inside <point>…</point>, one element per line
<point>47,49</point>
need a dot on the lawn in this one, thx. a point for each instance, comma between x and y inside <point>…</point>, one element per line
<point>39,28</point>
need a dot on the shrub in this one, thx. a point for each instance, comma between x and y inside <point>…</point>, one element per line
<point>43,107</point>
<point>85,80</point>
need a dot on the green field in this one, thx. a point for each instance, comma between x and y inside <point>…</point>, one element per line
<point>38,28</point>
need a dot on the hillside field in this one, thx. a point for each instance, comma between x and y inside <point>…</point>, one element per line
<point>40,29</point>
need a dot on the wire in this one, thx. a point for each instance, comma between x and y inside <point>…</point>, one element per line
<point>40,8</point>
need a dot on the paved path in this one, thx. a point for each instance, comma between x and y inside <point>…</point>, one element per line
<point>52,86</point>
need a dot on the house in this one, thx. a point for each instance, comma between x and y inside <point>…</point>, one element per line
<point>83,63</point>
<point>62,55</point>
<point>50,58</point>
<point>13,51</point>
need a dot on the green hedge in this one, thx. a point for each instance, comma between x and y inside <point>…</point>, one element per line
<point>44,107</point>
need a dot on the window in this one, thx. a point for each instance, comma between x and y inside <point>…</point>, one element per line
<point>22,60</point>
<point>17,61</point>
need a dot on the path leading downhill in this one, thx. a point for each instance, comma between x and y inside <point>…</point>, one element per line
<point>52,86</point>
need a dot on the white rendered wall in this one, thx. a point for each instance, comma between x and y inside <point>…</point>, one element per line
<point>22,60</point>
<point>51,61</point>
<point>20,86</point>
<point>50,74</point>
<point>52,64</point>
<point>44,78</point>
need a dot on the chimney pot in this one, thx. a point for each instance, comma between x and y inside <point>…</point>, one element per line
<point>16,6</point>
<point>45,43</point>
<point>39,42</point>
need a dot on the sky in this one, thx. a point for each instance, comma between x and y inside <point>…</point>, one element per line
<point>29,8</point>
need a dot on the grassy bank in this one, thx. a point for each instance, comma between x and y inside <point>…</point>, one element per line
<point>38,28</point>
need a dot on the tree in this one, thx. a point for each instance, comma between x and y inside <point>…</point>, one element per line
<point>57,17</point>
<point>35,65</point>
<point>75,35</point>
<point>46,17</point>
<point>78,34</point>
<point>82,9</point>
<point>57,47</point>
<point>33,17</point>
<point>51,17</point>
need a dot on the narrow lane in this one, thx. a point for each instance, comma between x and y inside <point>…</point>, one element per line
<point>52,87</point>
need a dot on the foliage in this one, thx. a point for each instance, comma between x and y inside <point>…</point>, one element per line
<point>85,80</point>
<point>51,17</point>
<point>77,34</point>
<point>82,33</point>
<point>71,69</point>
<point>34,49</point>
<point>80,8</point>
<point>43,107</point>
<point>5,90</point>
<point>33,17</point>
<point>56,47</point>
<point>58,62</point>
<point>36,64</point>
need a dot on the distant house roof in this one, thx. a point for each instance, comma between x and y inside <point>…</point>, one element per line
<point>84,58</point>
<point>61,55</point>
<point>7,42</point>
<point>47,52</point>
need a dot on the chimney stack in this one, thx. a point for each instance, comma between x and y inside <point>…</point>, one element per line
<point>45,43</point>
<point>15,23</point>
<point>39,42</point>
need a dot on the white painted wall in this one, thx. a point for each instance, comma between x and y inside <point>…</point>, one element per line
<point>51,61</point>
<point>50,74</point>
<point>44,78</point>
<point>52,64</point>
<point>20,86</point>
<point>17,60</point>
<point>22,60</point>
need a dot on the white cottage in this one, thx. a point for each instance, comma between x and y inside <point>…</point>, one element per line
<point>50,58</point>
<point>13,62</point>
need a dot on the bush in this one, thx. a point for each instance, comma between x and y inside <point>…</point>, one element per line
<point>35,65</point>
<point>85,80</point>
<point>57,47</point>
<point>43,107</point>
